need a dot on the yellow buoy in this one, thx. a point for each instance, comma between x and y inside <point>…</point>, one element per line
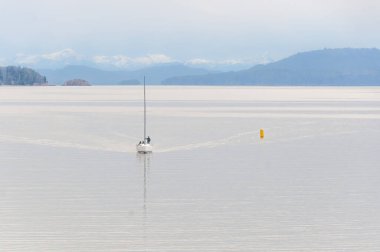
<point>261,133</point>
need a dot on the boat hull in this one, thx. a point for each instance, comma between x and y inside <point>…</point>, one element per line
<point>144,148</point>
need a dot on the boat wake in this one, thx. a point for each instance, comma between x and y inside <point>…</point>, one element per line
<point>234,139</point>
<point>126,144</point>
<point>67,144</point>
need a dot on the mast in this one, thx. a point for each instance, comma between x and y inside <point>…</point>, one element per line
<point>144,113</point>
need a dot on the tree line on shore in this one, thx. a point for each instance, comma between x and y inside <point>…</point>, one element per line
<point>14,75</point>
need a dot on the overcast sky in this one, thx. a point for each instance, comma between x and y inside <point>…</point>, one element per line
<point>194,31</point>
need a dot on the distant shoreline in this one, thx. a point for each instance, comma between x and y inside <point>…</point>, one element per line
<point>193,85</point>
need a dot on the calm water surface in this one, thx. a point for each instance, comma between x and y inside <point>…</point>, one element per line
<point>70,179</point>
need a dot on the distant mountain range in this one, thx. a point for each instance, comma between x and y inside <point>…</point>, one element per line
<point>342,67</point>
<point>154,74</point>
<point>321,67</point>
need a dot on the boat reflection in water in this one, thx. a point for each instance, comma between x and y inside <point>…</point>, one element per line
<point>144,161</point>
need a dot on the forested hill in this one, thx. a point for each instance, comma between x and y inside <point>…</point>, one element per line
<point>12,75</point>
<point>340,67</point>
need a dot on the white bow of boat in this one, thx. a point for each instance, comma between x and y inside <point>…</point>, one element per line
<point>144,148</point>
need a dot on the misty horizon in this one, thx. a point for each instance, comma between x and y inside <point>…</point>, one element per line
<point>208,34</point>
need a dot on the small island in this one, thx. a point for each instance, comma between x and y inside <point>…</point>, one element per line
<point>20,76</point>
<point>76,82</point>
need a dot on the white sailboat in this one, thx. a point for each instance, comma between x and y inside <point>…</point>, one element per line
<point>144,146</point>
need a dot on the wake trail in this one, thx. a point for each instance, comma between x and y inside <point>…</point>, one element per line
<point>124,144</point>
<point>64,144</point>
<point>237,138</point>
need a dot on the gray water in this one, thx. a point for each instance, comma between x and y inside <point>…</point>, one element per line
<point>70,179</point>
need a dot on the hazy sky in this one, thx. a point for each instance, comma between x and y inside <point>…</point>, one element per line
<point>125,32</point>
